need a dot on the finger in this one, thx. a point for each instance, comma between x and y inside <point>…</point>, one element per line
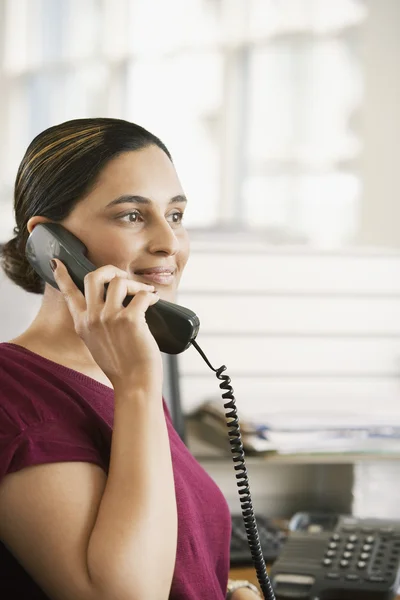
<point>72,295</point>
<point>119,289</point>
<point>96,280</point>
<point>141,302</point>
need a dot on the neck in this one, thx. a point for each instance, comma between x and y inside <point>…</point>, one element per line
<point>56,334</point>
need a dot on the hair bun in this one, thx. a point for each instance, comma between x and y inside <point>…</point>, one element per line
<point>17,267</point>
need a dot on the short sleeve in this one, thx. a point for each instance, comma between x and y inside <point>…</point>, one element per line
<point>46,442</point>
<point>44,419</point>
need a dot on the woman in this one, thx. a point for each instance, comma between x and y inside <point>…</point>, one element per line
<point>99,498</point>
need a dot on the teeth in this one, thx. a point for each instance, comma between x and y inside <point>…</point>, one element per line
<point>153,273</point>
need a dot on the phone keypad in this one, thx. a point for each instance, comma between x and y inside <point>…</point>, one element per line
<point>362,555</point>
<point>358,561</point>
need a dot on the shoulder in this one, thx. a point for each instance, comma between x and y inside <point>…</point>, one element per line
<point>19,370</point>
<point>21,393</point>
<point>33,390</point>
<point>12,359</point>
<point>42,418</point>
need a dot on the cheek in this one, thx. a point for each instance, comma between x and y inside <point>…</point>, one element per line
<point>109,250</point>
<point>184,251</point>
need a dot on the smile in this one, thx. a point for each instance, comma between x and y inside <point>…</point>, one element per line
<point>161,277</point>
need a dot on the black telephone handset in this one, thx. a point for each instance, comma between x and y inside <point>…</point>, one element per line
<point>357,559</point>
<point>174,327</point>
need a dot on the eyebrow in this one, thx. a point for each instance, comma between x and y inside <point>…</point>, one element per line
<point>143,200</point>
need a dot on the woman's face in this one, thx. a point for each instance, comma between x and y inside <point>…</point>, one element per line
<point>132,219</point>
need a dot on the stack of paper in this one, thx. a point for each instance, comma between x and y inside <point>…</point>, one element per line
<point>309,432</point>
<point>332,432</point>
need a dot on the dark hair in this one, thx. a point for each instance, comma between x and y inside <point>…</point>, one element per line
<point>60,166</point>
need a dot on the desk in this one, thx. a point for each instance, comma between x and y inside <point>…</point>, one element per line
<point>250,574</point>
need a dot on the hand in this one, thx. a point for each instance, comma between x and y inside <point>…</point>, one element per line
<point>117,337</point>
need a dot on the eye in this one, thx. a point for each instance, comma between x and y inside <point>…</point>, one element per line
<point>132,217</point>
<point>175,218</point>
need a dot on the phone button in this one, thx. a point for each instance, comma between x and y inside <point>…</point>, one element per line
<point>291,585</point>
<point>375,579</point>
<point>332,545</point>
<point>344,563</point>
<point>369,539</point>
<point>327,562</point>
<point>332,576</point>
<point>352,577</point>
<point>386,530</point>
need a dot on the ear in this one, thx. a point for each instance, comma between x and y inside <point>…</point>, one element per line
<point>33,221</point>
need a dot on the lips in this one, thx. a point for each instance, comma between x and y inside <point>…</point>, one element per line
<point>156,271</point>
<point>157,275</point>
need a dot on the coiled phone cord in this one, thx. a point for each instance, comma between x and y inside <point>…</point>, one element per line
<point>235,440</point>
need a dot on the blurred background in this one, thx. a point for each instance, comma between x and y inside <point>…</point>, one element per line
<point>282,117</point>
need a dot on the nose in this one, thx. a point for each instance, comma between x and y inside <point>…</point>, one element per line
<point>162,238</point>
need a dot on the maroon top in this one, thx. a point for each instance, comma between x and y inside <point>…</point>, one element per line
<point>50,413</point>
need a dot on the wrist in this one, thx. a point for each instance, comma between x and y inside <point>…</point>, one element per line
<point>241,589</point>
<point>140,391</point>
<point>144,377</point>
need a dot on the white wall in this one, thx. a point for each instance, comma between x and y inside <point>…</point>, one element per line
<point>297,329</point>
<point>380,126</point>
<point>17,308</point>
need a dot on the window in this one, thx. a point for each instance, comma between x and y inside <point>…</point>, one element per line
<point>254,98</point>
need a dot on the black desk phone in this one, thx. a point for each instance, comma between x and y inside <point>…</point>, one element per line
<point>338,558</point>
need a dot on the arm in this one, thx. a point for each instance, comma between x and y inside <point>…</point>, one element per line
<point>83,536</point>
<point>135,533</point>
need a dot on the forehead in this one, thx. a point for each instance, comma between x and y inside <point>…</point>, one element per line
<point>148,172</point>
